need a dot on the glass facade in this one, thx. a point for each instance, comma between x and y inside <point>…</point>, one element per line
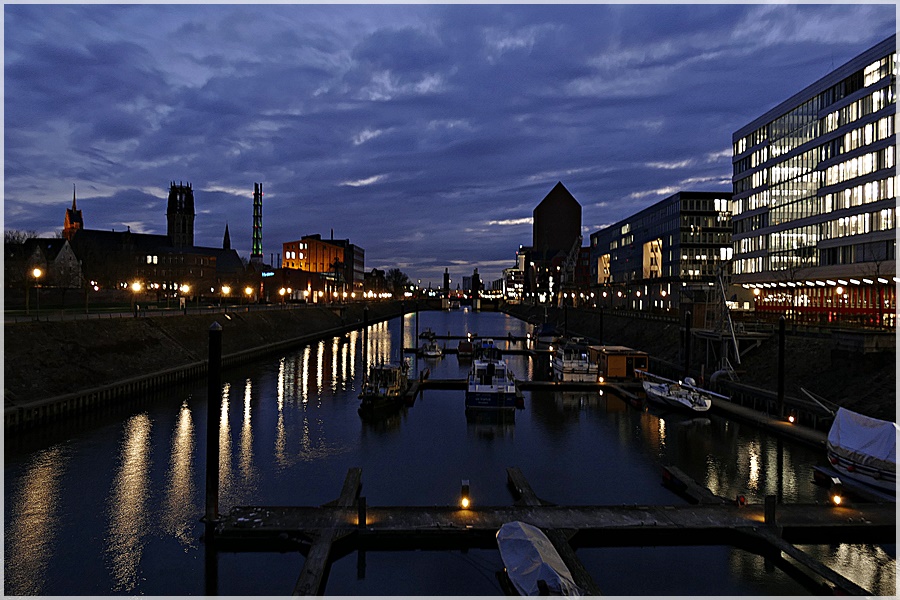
<point>644,262</point>
<point>814,197</point>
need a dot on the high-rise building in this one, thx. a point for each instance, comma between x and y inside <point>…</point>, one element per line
<point>654,257</point>
<point>815,207</point>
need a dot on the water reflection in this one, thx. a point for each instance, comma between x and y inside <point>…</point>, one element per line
<point>35,517</point>
<point>128,505</point>
<point>248,473</point>
<point>180,513</point>
<point>868,566</point>
<point>490,424</point>
<point>226,477</point>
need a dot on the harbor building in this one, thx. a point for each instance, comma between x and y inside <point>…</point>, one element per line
<point>665,255</point>
<point>556,240</point>
<point>340,264</point>
<point>814,201</point>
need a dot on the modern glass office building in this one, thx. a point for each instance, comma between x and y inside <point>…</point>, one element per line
<point>814,200</point>
<point>652,258</point>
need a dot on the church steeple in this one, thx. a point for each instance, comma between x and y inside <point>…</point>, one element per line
<point>226,243</point>
<point>180,215</point>
<point>73,221</point>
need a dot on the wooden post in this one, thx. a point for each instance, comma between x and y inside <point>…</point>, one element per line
<point>361,513</point>
<point>365,342</point>
<point>770,510</point>
<point>417,324</point>
<point>600,333</point>
<point>687,343</point>
<point>402,343</point>
<point>213,409</point>
<point>781,367</point>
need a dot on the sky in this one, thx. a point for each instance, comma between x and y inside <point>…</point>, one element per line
<point>425,134</point>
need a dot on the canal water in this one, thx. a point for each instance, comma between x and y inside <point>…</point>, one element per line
<point>111,504</point>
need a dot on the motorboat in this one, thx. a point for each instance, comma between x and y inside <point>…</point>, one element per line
<point>863,449</point>
<point>431,349</point>
<point>533,565</point>
<point>465,349</point>
<point>384,388</point>
<point>678,394</point>
<point>571,361</point>
<point>490,383</point>
<point>545,335</point>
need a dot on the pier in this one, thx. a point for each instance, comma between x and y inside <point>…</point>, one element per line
<point>324,533</point>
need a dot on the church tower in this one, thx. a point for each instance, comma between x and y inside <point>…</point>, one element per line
<point>73,221</point>
<point>180,215</point>
<point>226,241</point>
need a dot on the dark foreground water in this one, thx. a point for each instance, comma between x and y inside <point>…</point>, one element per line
<point>111,505</point>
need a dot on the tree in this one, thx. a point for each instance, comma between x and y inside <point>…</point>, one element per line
<point>397,282</point>
<point>16,236</point>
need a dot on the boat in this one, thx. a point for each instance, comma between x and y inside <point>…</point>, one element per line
<point>678,394</point>
<point>863,449</point>
<point>431,349</point>
<point>490,384</point>
<point>533,565</point>
<point>465,349</point>
<point>384,388</point>
<point>454,305</point>
<point>545,335</point>
<point>571,361</point>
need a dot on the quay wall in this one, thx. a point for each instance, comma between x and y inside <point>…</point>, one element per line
<point>63,368</point>
<point>818,361</point>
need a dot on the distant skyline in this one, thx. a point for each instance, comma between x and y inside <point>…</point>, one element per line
<point>426,134</point>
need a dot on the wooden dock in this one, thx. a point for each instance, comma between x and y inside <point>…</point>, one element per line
<point>768,529</point>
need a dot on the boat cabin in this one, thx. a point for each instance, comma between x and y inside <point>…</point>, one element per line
<point>618,362</point>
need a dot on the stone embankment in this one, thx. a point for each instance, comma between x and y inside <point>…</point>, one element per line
<point>47,361</point>
<point>863,383</point>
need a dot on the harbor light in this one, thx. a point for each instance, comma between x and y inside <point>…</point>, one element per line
<point>836,493</point>
<point>464,499</point>
<point>791,418</point>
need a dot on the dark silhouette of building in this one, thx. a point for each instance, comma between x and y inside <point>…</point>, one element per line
<point>557,224</point>
<point>180,215</point>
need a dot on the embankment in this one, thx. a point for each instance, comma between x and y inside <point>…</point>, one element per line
<point>56,368</point>
<point>863,383</point>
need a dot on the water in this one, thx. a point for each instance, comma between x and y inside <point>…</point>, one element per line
<point>111,505</point>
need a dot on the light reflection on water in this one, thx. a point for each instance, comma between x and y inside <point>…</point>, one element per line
<point>128,506</point>
<point>289,430</point>
<point>30,536</point>
<point>181,506</point>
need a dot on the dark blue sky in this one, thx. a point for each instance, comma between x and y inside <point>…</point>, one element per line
<point>426,134</point>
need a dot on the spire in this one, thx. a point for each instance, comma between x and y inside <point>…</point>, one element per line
<point>226,243</point>
<point>73,197</point>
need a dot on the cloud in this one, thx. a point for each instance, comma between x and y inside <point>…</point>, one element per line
<point>421,132</point>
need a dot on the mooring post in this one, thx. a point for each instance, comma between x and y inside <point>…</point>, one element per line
<point>365,342</point>
<point>402,341</point>
<point>417,323</point>
<point>361,513</point>
<point>213,408</point>
<point>600,332</point>
<point>781,367</point>
<point>770,510</point>
<point>687,343</point>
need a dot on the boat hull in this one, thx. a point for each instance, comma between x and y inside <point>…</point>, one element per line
<point>882,479</point>
<point>659,393</point>
<point>495,400</point>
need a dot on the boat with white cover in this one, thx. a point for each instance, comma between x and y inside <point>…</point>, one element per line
<point>533,565</point>
<point>863,449</point>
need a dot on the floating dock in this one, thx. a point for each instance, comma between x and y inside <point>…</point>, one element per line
<point>326,532</point>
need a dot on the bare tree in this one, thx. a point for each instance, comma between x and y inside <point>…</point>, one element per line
<point>397,281</point>
<point>17,236</point>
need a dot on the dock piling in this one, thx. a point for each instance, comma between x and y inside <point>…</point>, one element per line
<point>213,408</point>
<point>781,367</point>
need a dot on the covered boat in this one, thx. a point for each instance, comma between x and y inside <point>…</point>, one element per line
<point>490,383</point>
<point>530,558</point>
<point>863,449</point>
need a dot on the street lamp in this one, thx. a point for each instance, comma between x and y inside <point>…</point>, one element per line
<point>248,291</point>
<point>36,273</point>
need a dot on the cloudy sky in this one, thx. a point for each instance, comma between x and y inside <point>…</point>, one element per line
<point>425,134</point>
